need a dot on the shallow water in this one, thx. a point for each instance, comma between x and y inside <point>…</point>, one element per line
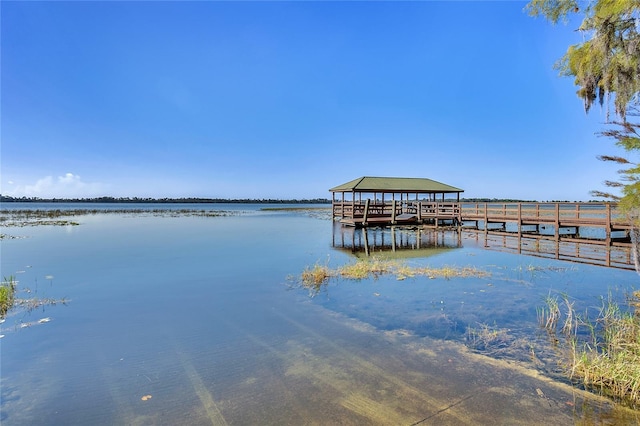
<point>197,320</point>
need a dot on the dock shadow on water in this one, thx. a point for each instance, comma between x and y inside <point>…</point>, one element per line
<point>191,320</point>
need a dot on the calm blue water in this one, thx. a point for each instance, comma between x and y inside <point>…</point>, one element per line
<point>197,320</point>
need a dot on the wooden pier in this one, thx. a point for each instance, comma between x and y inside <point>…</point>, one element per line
<point>593,223</point>
<point>388,201</point>
<point>596,223</point>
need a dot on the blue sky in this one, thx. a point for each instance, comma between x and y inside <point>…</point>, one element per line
<point>288,99</point>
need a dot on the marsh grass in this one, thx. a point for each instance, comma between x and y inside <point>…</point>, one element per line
<point>315,277</point>
<point>7,295</point>
<point>296,209</point>
<point>8,299</point>
<point>56,217</point>
<point>603,352</point>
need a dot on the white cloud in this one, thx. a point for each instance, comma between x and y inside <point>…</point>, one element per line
<point>67,186</point>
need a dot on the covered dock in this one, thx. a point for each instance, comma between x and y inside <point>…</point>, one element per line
<point>380,201</point>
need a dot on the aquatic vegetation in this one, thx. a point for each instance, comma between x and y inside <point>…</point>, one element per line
<point>36,302</point>
<point>485,337</point>
<point>549,315</point>
<point>8,300</point>
<point>365,268</point>
<point>315,277</point>
<point>296,209</point>
<point>603,353</point>
<point>324,213</point>
<point>19,218</point>
<point>7,295</point>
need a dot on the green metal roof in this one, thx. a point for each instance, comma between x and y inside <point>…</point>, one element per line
<point>395,184</point>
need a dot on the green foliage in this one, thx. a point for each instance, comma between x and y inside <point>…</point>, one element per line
<point>7,295</point>
<point>553,10</point>
<point>606,68</point>
<point>607,64</point>
<point>627,136</point>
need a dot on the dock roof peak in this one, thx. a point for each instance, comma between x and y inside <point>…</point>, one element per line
<point>395,184</point>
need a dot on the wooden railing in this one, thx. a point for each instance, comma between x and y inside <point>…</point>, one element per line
<point>422,209</point>
<point>581,214</point>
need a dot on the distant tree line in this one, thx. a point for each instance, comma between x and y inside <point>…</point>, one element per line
<point>198,200</point>
<point>191,200</point>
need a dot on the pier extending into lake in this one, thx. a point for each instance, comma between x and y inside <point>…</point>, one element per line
<point>594,223</point>
<point>601,223</point>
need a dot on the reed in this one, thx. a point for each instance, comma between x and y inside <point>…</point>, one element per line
<point>7,295</point>
<point>549,315</point>
<point>603,353</point>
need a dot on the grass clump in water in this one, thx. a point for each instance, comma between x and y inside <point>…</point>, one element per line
<point>603,354</point>
<point>366,268</point>
<point>7,295</point>
<point>315,277</point>
<point>485,337</point>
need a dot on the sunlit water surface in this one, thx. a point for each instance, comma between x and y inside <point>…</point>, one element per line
<point>201,320</point>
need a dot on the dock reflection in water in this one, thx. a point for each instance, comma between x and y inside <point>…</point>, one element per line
<point>419,241</point>
<point>394,241</point>
<point>560,248</point>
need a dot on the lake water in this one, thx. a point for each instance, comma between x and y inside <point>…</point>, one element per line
<point>181,319</point>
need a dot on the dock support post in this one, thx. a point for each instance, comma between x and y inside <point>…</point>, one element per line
<point>366,241</point>
<point>608,230</point>
<point>486,221</point>
<point>393,239</point>
<point>557,230</point>
<point>366,212</point>
<point>519,222</point>
<point>393,212</point>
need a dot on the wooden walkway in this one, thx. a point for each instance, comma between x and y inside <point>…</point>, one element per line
<point>593,222</point>
<point>596,223</point>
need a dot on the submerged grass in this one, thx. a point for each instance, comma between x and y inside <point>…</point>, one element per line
<point>485,337</point>
<point>315,277</point>
<point>601,353</point>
